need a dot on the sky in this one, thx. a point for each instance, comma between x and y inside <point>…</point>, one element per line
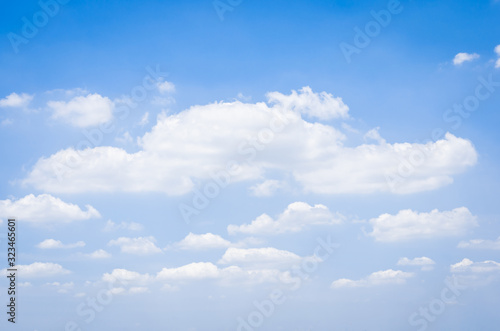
<point>251,165</point>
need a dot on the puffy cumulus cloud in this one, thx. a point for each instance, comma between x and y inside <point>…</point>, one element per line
<point>202,242</point>
<point>39,269</point>
<point>464,57</point>
<point>409,225</point>
<point>138,246</point>
<point>480,244</point>
<point>200,142</point>
<point>377,278</point>
<point>83,111</point>
<point>99,254</point>
<point>295,218</point>
<point>320,105</point>
<point>15,100</point>
<point>45,209</point>
<point>424,262</point>
<point>57,244</point>
<point>260,258</point>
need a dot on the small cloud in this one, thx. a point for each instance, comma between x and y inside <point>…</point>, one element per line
<point>99,254</point>
<point>57,244</point>
<point>165,87</point>
<point>40,269</point>
<point>202,241</point>
<point>15,100</point>
<point>464,57</point>
<point>45,209</point>
<point>138,246</point>
<point>83,111</point>
<point>377,278</point>
<point>373,134</point>
<point>295,218</point>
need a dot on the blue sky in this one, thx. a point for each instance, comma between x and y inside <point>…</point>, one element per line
<point>226,165</point>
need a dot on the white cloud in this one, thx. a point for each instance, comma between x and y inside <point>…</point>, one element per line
<point>497,50</point>
<point>192,145</point>
<point>139,246</point>
<point>260,258</point>
<point>165,87</point>
<point>16,100</point>
<point>480,244</point>
<point>470,273</point>
<point>202,242</point>
<point>377,278</point>
<point>464,57</point>
<point>126,277</point>
<point>83,111</point>
<point>39,269</point>
<point>45,209</point>
<point>374,134</point>
<point>206,270</point>
<point>295,218</point>
<point>267,188</point>
<point>467,265</point>
<point>424,262</point>
<point>130,226</point>
<point>57,244</point>
<point>192,271</point>
<point>99,254</point>
<point>319,105</point>
<point>409,225</point>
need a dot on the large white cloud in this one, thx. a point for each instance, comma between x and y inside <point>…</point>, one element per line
<point>16,100</point>
<point>295,218</point>
<point>260,137</point>
<point>377,278</point>
<point>44,209</point>
<point>408,224</point>
<point>39,269</point>
<point>139,246</point>
<point>83,111</point>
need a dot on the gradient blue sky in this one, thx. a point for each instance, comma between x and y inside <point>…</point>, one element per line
<point>324,173</point>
